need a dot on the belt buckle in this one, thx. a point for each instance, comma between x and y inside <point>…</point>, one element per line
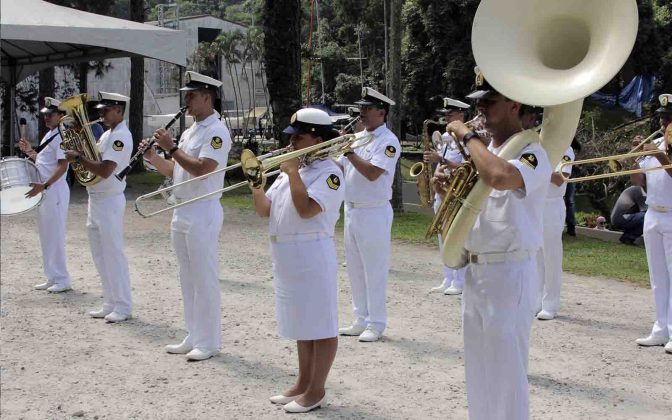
<point>661,209</point>
<point>473,258</point>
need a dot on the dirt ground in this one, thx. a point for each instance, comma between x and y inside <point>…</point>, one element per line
<point>57,362</point>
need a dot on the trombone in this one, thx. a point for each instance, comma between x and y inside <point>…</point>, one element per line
<point>615,162</point>
<point>167,190</point>
<point>254,168</point>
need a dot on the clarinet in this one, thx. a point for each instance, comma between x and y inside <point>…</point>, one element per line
<point>138,155</point>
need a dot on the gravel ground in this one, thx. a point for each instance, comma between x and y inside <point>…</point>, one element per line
<point>56,362</point>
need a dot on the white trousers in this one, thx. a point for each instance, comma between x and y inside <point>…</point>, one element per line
<point>658,241</point>
<point>451,276</point>
<point>367,252</point>
<point>105,227</point>
<point>52,216</point>
<point>497,312</point>
<point>550,257</point>
<point>195,237</point>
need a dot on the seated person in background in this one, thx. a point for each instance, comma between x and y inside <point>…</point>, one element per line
<point>628,214</point>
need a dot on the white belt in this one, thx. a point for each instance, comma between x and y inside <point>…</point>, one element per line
<point>661,209</point>
<point>298,237</point>
<point>498,257</point>
<point>368,205</point>
<point>102,194</point>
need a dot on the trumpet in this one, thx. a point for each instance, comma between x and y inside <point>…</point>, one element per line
<point>614,162</point>
<point>255,168</point>
<point>166,191</point>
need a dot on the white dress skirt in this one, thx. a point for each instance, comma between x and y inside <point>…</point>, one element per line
<point>306,289</point>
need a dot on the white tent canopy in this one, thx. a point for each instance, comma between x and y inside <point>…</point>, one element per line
<point>35,34</point>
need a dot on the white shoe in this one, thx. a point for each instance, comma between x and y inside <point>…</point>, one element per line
<point>58,288</point>
<point>182,348</point>
<point>200,354</point>
<point>652,340</point>
<point>294,407</point>
<point>352,330</point>
<point>116,317</point>
<point>370,335</point>
<point>545,315</point>
<point>281,399</point>
<point>668,347</point>
<point>452,290</point>
<point>43,286</point>
<point>100,313</point>
<point>439,288</point>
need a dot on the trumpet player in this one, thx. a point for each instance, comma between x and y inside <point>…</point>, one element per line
<point>52,214</point>
<point>203,148</point>
<point>658,228</point>
<point>107,203</point>
<point>497,302</point>
<point>449,156</point>
<point>369,172</point>
<point>303,206</point>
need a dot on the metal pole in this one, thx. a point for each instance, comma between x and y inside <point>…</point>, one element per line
<point>361,67</point>
<point>387,79</point>
<point>12,110</point>
<point>319,44</point>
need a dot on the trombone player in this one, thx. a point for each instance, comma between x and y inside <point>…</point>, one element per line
<point>203,148</point>
<point>658,227</point>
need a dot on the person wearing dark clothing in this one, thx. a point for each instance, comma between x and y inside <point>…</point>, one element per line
<point>628,214</point>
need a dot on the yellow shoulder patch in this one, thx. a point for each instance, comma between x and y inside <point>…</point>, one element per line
<point>216,143</point>
<point>118,145</point>
<point>566,158</point>
<point>530,160</point>
<point>334,182</point>
<point>390,151</point>
<point>62,146</point>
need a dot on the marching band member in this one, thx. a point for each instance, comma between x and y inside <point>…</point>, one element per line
<point>303,206</point>
<point>52,213</point>
<point>107,203</point>
<point>550,256</point>
<point>498,294</point>
<point>658,229</point>
<point>203,148</point>
<point>453,110</point>
<point>369,173</point>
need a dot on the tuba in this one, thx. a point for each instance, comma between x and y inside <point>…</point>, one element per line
<point>553,56</point>
<point>76,134</point>
<point>421,171</point>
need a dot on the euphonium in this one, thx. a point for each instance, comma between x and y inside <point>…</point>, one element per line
<point>421,171</point>
<point>79,137</point>
<point>553,57</point>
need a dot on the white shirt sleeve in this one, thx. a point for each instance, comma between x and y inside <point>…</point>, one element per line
<point>567,157</point>
<point>270,193</point>
<point>327,189</point>
<point>533,165</point>
<point>56,144</point>
<point>118,149</point>
<point>217,146</point>
<point>386,154</point>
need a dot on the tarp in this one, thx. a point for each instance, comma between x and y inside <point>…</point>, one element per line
<point>638,92</point>
<point>35,34</point>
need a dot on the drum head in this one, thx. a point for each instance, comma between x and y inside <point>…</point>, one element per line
<point>13,201</point>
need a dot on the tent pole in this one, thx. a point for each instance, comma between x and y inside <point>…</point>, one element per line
<point>12,111</point>
<point>181,100</point>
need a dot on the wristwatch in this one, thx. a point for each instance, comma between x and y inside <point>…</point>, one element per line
<point>46,186</point>
<point>173,150</point>
<point>349,152</point>
<point>470,135</point>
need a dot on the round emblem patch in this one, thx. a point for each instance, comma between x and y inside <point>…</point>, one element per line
<point>118,145</point>
<point>333,181</point>
<point>62,146</point>
<point>390,151</point>
<point>216,143</point>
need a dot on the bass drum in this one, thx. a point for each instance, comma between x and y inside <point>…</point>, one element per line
<point>16,175</point>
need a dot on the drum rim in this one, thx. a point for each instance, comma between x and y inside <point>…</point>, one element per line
<point>39,202</point>
<point>31,163</point>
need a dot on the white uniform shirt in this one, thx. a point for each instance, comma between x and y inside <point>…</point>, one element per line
<point>204,139</point>
<point>553,190</point>
<point>512,220</point>
<point>383,152</point>
<point>115,145</point>
<point>47,160</point>
<point>323,181</point>
<point>659,182</point>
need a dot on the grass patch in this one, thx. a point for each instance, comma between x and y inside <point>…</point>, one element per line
<point>145,178</point>
<point>592,257</point>
<point>240,198</point>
